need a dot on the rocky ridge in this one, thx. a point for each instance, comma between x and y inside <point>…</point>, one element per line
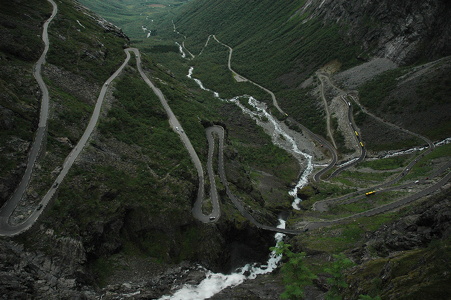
<point>401,30</point>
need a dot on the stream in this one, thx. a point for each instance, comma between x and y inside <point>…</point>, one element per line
<point>282,137</point>
<point>216,282</point>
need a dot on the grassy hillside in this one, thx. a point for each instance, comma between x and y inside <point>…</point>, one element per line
<point>131,190</point>
<point>416,96</point>
<point>272,45</point>
<point>133,15</point>
<point>20,47</point>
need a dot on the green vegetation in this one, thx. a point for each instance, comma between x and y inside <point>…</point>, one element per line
<point>364,178</point>
<point>77,49</point>
<point>366,297</point>
<point>379,88</point>
<point>415,274</point>
<point>337,281</point>
<point>386,163</point>
<point>268,157</point>
<point>296,275</point>
<point>304,107</point>
<point>425,166</point>
<point>131,190</point>
<point>138,118</point>
<point>401,94</point>
<point>132,15</point>
<point>258,38</point>
<point>20,48</point>
<point>327,190</point>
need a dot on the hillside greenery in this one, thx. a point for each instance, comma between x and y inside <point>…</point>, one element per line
<point>20,47</point>
<point>131,190</point>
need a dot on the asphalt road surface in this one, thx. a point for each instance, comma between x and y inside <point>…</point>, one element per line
<point>6,229</point>
<point>177,127</point>
<point>10,205</point>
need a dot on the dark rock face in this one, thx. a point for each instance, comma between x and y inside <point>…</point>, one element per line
<point>408,259</point>
<point>427,223</point>
<point>34,275</point>
<point>401,30</point>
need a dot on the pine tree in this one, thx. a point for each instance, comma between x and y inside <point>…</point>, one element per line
<point>337,281</point>
<point>296,275</point>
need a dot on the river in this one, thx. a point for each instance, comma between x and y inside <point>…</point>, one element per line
<point>282,137</point>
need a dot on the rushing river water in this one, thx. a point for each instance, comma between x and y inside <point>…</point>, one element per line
<point>215,282</point>
<point>277,130</point>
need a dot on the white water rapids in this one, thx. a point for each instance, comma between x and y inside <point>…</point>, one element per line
<point>279,133</point>
<point>215,282</point>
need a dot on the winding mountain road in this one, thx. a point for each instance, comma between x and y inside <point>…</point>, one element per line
<point>358,138</point>
<point>177,127</point>
<point>315,137</point>
<point>6,229</point>
<point>10,205</point>
<point>390,206</point>
<point>317,177</point>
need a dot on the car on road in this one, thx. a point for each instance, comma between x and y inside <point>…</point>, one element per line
<point>212,218</point>
<point>39,207</point>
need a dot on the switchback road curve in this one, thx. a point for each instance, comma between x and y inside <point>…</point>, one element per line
<point>177,127</point>
<point>6,229</point>
<point>315,137</point>
<point>36,146</point>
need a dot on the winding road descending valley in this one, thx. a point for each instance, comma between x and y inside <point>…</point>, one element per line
<point>177,127</point>
<point>6,229</point>
<point>10,205</point>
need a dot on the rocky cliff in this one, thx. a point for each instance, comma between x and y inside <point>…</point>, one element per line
<point>409,258</point>
<point>400,30</point>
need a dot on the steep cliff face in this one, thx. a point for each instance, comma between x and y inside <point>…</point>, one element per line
<point>287,43</point>
<point>403,31</point>
<point>409,258</point>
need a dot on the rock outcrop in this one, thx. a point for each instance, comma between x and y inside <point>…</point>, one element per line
<point>401,30</point>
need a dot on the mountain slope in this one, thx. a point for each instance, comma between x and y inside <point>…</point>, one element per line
<point>123,214</point>
<point>311,33</point>
<point>282,46</point>
<point>128,198</point>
